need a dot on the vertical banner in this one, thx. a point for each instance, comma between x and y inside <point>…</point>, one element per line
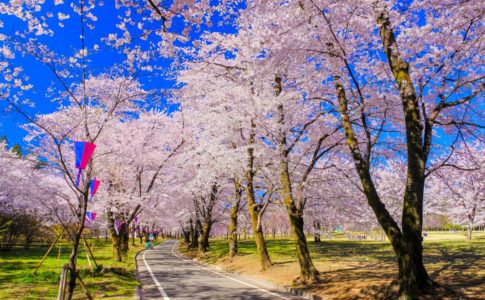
<point>118,225</point>
<point>83,152</point>
<point>93,187</point>
<point>90,216</point>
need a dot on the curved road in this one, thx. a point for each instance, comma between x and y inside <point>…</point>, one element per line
<point>166,275</point>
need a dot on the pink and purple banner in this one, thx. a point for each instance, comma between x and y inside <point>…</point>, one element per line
<point>118,225</point>
<point>93,187</point>
<point>83,152</point>
<point>90,216</point>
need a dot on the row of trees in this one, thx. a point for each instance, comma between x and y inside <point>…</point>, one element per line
<point>304,87</point>
<point>302,113</point>
<point>20,223</point>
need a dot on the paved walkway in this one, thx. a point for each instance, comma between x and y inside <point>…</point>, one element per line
<point>164,274</point>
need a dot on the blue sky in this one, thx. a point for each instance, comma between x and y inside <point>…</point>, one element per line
<point>66,41</point>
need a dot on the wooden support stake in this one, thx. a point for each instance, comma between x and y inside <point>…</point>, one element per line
<point>89,263</point>
<point>85,288</point>
<point>62,283</point>
<point>90,252</point>
<point>48,251</point>
<point>59,254</point>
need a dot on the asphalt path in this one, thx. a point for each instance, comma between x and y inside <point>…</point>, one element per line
<point>164,274</point>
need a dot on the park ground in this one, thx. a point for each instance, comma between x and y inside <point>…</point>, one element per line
<point>350,269</point>
<point>353,269</point>
<point>113,280</point>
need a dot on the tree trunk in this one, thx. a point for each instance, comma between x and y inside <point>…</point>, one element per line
<point>259,237</point>
<point>308,272</point>
<point>253,207</point>
<point>194,243</point>
<point>470,229</point>
<point>204,236</point>
<point>262,249</point>
<point>413,278</point>
<point>186,234</point>
<point>133,237</point>
<point>28,240</point>
<point>81,214</point>
<point>72,266</point>
<point>120,241</point>
<point>140,235</point>
<point>116,244</point>
<point>203,207</point>
<point>407,244</point>
<point>317,228</point>
<point>232,234</point>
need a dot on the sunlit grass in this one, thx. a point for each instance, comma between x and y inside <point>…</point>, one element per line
<point>115,280</point>
<point>359,268</point>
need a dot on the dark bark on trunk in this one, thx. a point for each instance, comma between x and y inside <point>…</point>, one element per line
<point>253,207</point>
<point>413,276</point>
<point>186,234</point>
<point>140,235</point>
<point>471,219</point>
<point>204,237</point>
<point>194,237</point>
<point>133,237</point>
<point>73,273</point>
<point>119,241</point>
<point>308,272</point>
<point>204,221</point>
<point>307,269</point>
<point>232,234</point>
<point>317,228</point>
<point>469,230</point>
<point>407,245</point>
<point>28,240</point>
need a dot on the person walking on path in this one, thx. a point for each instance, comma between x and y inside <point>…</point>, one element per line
<point>149,244</point>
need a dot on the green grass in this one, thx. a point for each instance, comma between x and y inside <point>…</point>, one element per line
<point>116,281</point>
<point>351,268</point>
<point>440,244</point>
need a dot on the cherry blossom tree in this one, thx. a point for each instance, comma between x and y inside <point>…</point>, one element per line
<point>30,197</point>
<point>229,121</point>
<point>133,155</point>
<point>297,92</point>
<point>457,189</point>
<point>91,108</point>
<point>415,79</point>
<point>345,43</point>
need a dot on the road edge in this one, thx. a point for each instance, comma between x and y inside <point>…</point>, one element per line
<point>139,287</point>
<point>291,290</point>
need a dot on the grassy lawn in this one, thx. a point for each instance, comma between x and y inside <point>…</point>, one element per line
<point>362,269</point>
<point>115,280</point>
